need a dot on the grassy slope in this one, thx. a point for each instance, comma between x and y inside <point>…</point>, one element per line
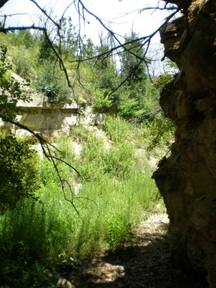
<point>116,190</point>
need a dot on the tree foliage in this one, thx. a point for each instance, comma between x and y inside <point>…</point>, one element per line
<point>137,92</point>
<point>60,66</point>
<point>18,171</point>
<point>116,83</point>
<point>11,90</point>
<point>18,177</point>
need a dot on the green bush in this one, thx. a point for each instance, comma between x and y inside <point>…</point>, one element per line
<point>101,100</point>
<point>119,231</point>
<point>24,38</point>
<point>43,233</point>
<point>117,129</point>
<point>25,245</point>
<point>23,63</point>
<point>19,175</point>
<point>10,86</point>
<point>51,83</point>
<point>158,132</point>
<point>118,160</point>
<point>79,133</point>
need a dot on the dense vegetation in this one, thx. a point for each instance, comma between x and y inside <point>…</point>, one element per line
<point>95,79</point>
<point>40,226</point>
<point>115,191</point>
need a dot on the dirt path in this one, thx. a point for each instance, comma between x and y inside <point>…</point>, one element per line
<point>143,264</point>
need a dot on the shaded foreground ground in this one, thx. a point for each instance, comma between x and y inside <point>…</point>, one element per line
<point>143,264</point>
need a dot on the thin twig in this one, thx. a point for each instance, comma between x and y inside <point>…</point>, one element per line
<point>13,28</point>
<point>45,146</point>
<point>45,13</point>
<point>60,179</point>
<point>99,20</point>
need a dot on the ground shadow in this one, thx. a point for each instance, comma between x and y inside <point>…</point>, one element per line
<point>144,264</point>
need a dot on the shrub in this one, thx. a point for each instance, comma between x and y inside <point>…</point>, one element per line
<point>9,86</point>
<point>24,37</point>
<point>51,83</point>
<point>118,160</point>
<point>42,233</point>
<point>101,101</point>
<point>19,175</point>
<point>23,63</point>
<point>117,129</point>
<point>159,132</point>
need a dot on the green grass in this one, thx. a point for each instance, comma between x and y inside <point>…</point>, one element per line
<point>52,226</point>
<point>49,230</point>
<point>114,194</point>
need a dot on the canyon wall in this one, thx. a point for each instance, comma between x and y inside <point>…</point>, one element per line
<point>187,178</point>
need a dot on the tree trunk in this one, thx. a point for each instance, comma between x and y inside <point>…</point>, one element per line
<point>187,179</point>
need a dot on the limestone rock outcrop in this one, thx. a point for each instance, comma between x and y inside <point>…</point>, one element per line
<point>52,120</point>
<point>187,178</point>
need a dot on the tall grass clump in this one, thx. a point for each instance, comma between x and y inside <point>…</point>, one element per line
<point>117,129</point>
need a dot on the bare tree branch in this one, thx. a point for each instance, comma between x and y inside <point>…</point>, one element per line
<point>62,65</point>
<point>81,9</point>
<point>3,2</point>
<point>10,15</point>
<point>45,13</point>
<point>123,47</point>
<point>118,48</point>
<point>50,155</point>
<point>99,20</point>
<point>165,8</point>
<point>67,9</point>
<point>13,28</point>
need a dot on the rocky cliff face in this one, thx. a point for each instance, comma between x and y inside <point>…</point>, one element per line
<point>187,179</point>
<point>49,120</point>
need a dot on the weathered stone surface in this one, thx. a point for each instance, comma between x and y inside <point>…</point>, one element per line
<point>187,179</point>
<point>41,117</point>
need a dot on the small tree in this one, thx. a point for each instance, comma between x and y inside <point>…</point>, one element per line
<point>103,74</point>
<point>137,95</point>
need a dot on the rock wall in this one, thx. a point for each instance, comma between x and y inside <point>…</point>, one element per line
<point>50,120</point>
<point>187,179</point>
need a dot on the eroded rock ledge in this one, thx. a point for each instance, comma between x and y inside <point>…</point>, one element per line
<point>187,179</point>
